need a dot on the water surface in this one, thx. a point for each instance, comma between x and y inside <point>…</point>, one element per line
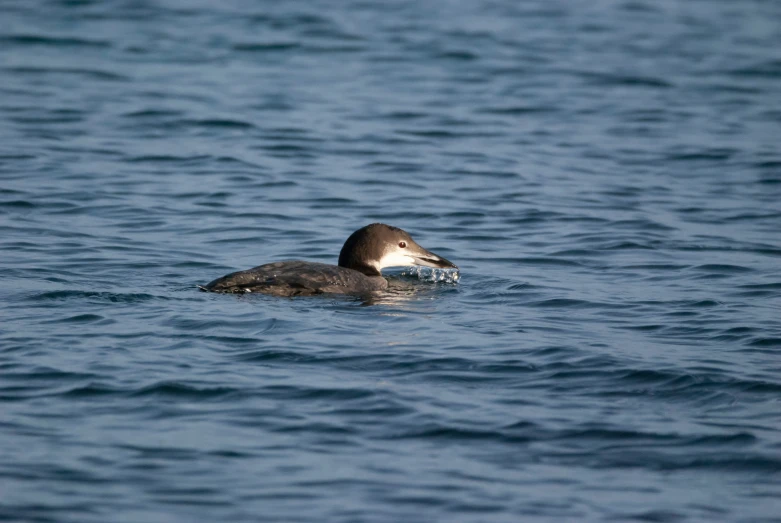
<point>606,174</point>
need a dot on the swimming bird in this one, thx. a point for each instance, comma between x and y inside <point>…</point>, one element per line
<point>365,253</point>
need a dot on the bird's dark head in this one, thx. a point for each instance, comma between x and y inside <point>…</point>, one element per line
<point>376,246</point>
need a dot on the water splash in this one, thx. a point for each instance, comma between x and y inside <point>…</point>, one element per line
<point>434,275</point>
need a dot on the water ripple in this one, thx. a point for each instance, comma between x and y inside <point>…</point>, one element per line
<point>605,175</point>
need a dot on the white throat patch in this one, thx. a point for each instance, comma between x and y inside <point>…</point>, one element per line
<point>397,258</point>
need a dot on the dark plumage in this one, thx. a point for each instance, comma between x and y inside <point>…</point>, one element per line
<point>297,278</point>
<point>365,253</point>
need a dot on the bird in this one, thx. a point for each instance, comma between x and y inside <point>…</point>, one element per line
<point>365,253</point>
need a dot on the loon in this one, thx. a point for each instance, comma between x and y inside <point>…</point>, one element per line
<point>365,253</point>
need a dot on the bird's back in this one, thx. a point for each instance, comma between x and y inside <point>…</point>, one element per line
<point>297,278</point>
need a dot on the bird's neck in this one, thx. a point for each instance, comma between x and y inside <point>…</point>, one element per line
<point>363,268</point>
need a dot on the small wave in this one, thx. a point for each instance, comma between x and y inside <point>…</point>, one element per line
<point>274,355</point>
<point>657,267</point>
<point>774,286</point>
<point>183,390</point>
<point>541,261</point>
<point>765,69</point>
<point>517,110</point>
<point>642,225</point>
<point>458,55</point>
<point>290,21</point>
<point>81,318</point>
<point>52,41</point>
<point>765,342</point>
<point>705,154</point>
<point>91,390</point>
<point>94,74</point>
<point>18,204</point>
<point>100,296</point>
<point>433,432</point>
<point>626,245</point>
<point>567,303</point>
<point>152,113</point>
<point>722,268</point>
<point>316,393</point>
<point>619,80</point>
<point>166,158</point>
<point>218,122</point>
<point>266,47</point>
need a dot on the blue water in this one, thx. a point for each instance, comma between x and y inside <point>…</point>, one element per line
<point>606,174</point>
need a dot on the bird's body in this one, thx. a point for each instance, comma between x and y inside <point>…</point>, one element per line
<point>365,253</point>
<point>298,278</point>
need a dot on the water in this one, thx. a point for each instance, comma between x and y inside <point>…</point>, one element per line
<point>606,174</point>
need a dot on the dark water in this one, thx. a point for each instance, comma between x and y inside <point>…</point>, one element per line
<point>606,174</point>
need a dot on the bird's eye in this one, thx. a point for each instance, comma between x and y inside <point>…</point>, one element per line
<point>402,244</point>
